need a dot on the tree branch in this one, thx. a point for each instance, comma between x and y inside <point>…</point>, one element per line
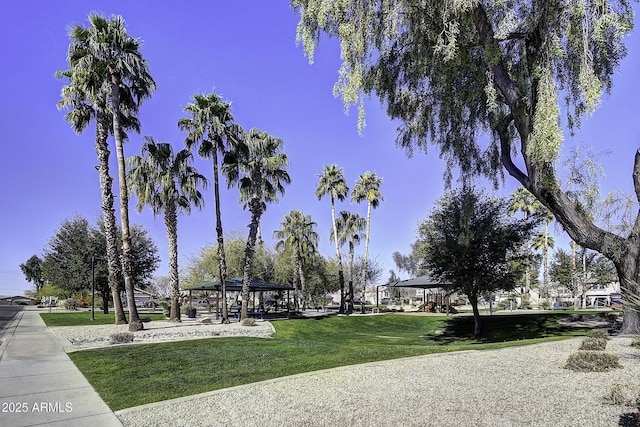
<point>505,151</point>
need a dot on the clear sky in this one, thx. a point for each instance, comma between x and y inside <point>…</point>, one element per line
<point>245,51</point>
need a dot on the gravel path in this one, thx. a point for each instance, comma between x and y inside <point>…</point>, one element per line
<point>517,386</point>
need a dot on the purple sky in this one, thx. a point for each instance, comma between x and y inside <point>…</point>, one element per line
<point>246,51</point>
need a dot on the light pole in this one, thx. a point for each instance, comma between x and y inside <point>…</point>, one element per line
<point>93,286</point>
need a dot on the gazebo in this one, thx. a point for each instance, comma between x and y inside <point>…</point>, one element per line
<point>421,282</point>
<point>235,285</point>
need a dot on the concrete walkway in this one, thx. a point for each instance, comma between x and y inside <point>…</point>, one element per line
<point>40,385</point>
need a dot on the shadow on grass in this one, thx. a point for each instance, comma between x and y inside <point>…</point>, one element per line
<point>503,328</point>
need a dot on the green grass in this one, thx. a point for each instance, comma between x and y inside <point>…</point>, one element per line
<point>82,318</point>
<point>136,375</point>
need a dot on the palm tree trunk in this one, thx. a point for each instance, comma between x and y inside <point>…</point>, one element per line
<point>109,218</point>
<point>249,252</point>
<point>352,252</point>
<point>366,255</point>
<point>296,278</point>
<point>171,225</point>
<point>134,320</point>
<point>576,292</point>
<point>303,289</point>
<point>338,257</point>
<point>545,260</point>
<point>222,260</point>
<point>584,277</point>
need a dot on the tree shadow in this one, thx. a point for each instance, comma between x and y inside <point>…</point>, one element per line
<point>629,419</point>
<point>501,328</point>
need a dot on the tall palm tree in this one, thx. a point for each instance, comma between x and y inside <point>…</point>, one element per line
<point>257,164</point>
<point>105,51</point>
<point>333,183</point>
<point>543,242</point>
<point>350,227</point>
<point>367,188</point>
<point>523,201</point>
<point>211,124</point>
<point>85,101</point>
<point>297,234</point>
<point>166,183</point>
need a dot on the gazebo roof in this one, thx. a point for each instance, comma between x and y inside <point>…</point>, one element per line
<point>421,282</point>
<point>235,284</point>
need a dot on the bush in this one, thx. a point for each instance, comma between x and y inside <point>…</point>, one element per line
<point>545,305</point>
<point>249,322</point>
<point>592,361</point>
<point>525,305</point>
<point>70,303</point>
<point>598,333</point>
<point>621,394</point>
<point>591,343</point>
<point>121,338</point>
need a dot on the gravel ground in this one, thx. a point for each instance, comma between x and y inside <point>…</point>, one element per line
<point>76,338</point>
<point>517,386</point>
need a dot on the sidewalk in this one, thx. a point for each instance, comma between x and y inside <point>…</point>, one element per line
<point>40,385</point>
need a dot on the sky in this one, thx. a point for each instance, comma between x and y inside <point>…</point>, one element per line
<point>244,50</point>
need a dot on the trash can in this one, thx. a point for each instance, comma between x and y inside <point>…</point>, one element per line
<point>191,313</point>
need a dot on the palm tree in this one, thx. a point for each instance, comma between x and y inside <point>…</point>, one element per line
<point>257,164</point>
<point>332,182</point>
<point>523,201</point>
<point>367,188</point>
<point>297,234</point>
<point>543,242</point>
<point>211,124</point>
<point>350,227</point>
<point>86,102</point>
<point>87,95</point>
<point>105,52</point>
<point>166,183</point>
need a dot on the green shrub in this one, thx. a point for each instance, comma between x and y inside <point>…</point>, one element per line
<point>598,333</point>
<point>621,394</point>
<point>121,337</point>
<point>545,305</point>
<point>592,361</point>
<point>526,305</point>
<point>591,343</point>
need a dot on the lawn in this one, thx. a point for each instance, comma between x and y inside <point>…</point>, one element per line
<point>82,318</point>
<point>136,375</point>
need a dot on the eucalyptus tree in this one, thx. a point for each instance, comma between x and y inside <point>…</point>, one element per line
<point>168,184</point>
<point>367,188</point>
<point>350,228</point>
<point>257,164</point>
<point>107,74</point>
<point>210,123</point>
<point>449,71</point>
<point>333,183</point>
<point>297,234</point>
